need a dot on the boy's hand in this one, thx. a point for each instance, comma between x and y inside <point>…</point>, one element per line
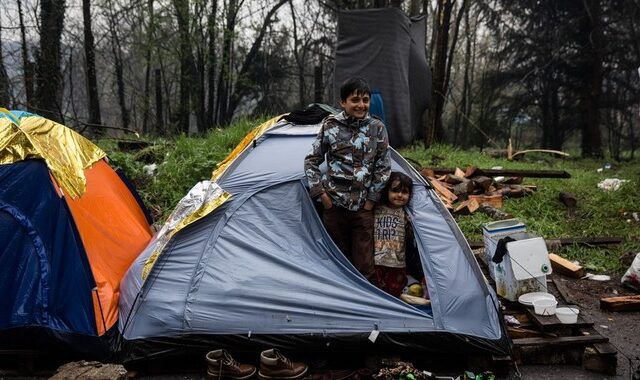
<point>368,205</point>
<point>326,201</point>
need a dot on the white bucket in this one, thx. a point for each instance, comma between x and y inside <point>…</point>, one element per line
<point>567,314</point>
<point>544,306</point>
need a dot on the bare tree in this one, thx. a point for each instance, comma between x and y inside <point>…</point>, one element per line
<point>27,65</point>
<point>48,77</point>
<point>186,63</point>
<point>5,97</point>
<point>90,64</point>
<point>442,66</point>
<point>211,64</point>
<point>242,88</point>
<point>116,49</point>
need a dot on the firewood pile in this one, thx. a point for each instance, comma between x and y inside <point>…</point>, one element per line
<point>470,190</point>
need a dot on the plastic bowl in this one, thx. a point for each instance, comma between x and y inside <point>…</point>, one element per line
<point>544,306</point>
<point>567,314</point>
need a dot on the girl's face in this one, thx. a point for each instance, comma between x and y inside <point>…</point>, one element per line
<point>398,196</point>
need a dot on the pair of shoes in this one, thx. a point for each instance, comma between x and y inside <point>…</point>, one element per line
<point>274,365</point>
<point>222,366</point>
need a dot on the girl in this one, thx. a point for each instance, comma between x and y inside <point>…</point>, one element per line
<point>391,231</point>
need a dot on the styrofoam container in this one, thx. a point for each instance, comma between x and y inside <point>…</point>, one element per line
<point>544,306</point>
<point>567,314</point>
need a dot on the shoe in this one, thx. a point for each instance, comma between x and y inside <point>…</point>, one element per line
<point>222,366</point>
<point>273,365</point>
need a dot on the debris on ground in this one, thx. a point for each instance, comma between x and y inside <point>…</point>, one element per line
<point>631,278</point>
<point>611,184</point>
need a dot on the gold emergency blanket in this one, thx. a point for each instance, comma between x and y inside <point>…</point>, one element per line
<point>65,152</point>
<point>202,199</point>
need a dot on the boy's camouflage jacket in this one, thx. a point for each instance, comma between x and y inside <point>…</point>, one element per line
<point>358,164</point>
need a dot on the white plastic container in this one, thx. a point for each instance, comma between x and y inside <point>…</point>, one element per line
<point>526,266</point>
<point>544,306</point>
<point>567,314</point>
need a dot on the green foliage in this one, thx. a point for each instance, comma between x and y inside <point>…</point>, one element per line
<point>598,212</point>
<point>181,164</point>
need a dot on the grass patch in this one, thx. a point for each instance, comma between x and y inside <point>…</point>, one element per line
<point>598,212</point>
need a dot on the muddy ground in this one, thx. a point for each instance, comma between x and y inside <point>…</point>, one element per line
<point>622,329</point>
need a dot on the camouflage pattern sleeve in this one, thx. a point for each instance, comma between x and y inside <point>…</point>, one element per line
<point>381,165</point>
<point>312,163</point>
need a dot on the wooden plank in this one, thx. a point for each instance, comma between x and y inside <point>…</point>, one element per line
<point>621,303</point>
<point>566,267</point>
<point>588,241</point>
<point>551,322</point>
<point>594,360</point>
<point>560,341</point>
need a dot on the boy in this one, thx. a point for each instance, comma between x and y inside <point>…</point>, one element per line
<point>358,167</point>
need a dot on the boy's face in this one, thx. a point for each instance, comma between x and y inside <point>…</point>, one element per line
<point>356,104</point>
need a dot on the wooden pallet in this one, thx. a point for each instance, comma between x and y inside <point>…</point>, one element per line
<point>546,340</point>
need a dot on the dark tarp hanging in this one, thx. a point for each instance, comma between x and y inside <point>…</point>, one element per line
<point>387,48</point>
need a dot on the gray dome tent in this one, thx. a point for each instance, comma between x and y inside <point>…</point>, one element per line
<point>260,270</point>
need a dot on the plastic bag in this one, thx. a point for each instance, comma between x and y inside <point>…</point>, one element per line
<point>631,278</point>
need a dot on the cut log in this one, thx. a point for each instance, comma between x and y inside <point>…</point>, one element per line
<point>568,199</point>
<point>442,190</point>
<point>506,173</point>
<point>513,181</point>
<point>426,172</point>
<point>465,187</point>
<point>470,171</point>
<point>467,207</point>
<point>494,213</point>
<point>622,303</point>
<point>493,200</point>
<point>483,182</point>
<point>459,172</point>
<point>453,179</point>
<point>566,267</point>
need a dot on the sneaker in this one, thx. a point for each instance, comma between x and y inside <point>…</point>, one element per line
<point>273,365</point>
<point>222,366</point>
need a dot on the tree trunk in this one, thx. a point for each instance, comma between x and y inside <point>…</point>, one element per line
<point>591,138</point>
<point>159,114</point>
<point>436,130</point>
<point>147,70</point>
<point>465,104</point>
<point>297,56</point>
<point>116,49</point>
<point>241,88</point>
<point>90,69</point>
<point>5,98</point>
<point>48,76</point>
<point>27,65</point>
<point>186,63</point>
<point>224,79</point>
<point>211,65</point>
<point>415,8</point>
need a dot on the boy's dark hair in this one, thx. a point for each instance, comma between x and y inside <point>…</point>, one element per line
<point>354,85</point>
<point>406,183</point>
